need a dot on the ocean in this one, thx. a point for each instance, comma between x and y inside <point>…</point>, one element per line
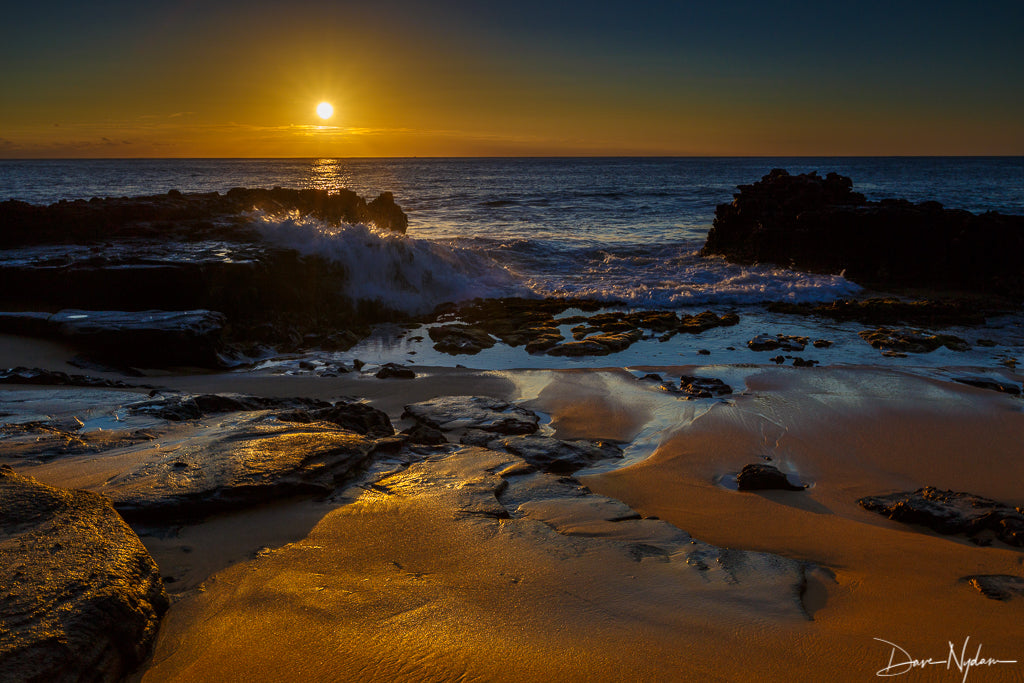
<point>625,230</point>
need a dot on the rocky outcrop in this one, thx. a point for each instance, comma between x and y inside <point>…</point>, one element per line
<point>821,225</point>
<point>80,597</point>
<point>952,512</point>
<point>180,252</point>
<point>184,216</point>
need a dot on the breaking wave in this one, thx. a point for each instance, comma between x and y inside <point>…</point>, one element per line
<point>391,269</point>
<point>415,275</point>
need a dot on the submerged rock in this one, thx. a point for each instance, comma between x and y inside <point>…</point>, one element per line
<point>786,342</point>
<point>759,477</point>
<point>456,339</point>
<point>449,413</point>
<point>911,341</point>
<point>952,512</point>
<point>890,311</point>
<point>81,598</point>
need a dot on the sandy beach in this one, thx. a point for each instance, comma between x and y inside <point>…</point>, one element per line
<point>462,563</point>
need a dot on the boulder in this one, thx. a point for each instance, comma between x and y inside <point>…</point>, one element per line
<point>395,371</point>
<point>449,413</point>
<point>554,455</point>
<point>81,597</point>
<point>766,342</point>
<point>996,586</point>
<point>952,512</point>
<point>703,387</point>
<point>457,339</point>
<point>759,476</point>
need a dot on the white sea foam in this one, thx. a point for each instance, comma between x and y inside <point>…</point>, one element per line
<point>679,277</point>
<point>391,269</point>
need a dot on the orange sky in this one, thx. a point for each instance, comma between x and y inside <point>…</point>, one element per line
<point>223,79</point>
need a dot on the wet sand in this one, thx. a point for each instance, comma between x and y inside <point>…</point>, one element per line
<point>400,582</point>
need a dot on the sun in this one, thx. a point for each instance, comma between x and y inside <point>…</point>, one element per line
<point>324,110</point>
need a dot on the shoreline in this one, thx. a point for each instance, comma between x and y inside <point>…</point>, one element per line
<point>396,581</point>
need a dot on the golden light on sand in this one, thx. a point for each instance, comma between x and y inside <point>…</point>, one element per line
<point>324,110</point>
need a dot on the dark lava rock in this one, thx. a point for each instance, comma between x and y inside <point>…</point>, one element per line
<point>81,597</point>
<point>420,433</point>
<point>554,455</point>
<point>890,311</point>
<point>236,461</point>
<point>177,216</point>
<point>803,363</point>
<point>449,413</point>
<point>145,338</point>
<point>766,342</point>
<point>996,586</point>
<point>911,341</point>
<point>395,371</point>
<point>703,387</point>
<point>360,418</point>
<point>456,339</point>
<point>38,376</point>
<point>951,512</point>
<point>179,407</point>
<point>990,384</point>
<point>758,476</point>
<point>819,224</point>
<point>695,324</point>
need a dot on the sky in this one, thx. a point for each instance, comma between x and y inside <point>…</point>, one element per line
<point>121,79</point>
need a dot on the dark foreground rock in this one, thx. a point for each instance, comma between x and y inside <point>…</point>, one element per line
<point>80,598</point>
<point>147,338</point>
<point>554,455</point>
<point>1001,386</point>
<point>39,376</point>
<point>951,512</point>
<point>759,477</point>
<point>996,586</point>
<point>821,225</point>
<point>449,413</point>
<point>703,387</point>
<point>239,460</point>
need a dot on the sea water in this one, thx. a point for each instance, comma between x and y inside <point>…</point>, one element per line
<point>622,230</point>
